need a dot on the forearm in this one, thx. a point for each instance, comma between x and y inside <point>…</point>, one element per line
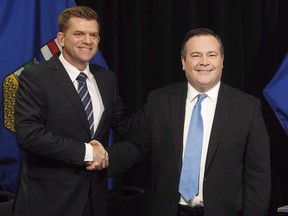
<point>124,156</point>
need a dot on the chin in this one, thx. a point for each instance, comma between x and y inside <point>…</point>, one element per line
<point>86,58</point>
<point>204,82</point>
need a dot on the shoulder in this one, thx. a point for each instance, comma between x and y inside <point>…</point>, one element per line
<point>175,93</point>
<point>176,88</point>
<point>40,70</point>
<point>236,92</point>
<point>52,64</point>
<point>238,96</point>
<point>101,71</point>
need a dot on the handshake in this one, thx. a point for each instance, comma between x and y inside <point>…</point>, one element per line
<point>100,157</point>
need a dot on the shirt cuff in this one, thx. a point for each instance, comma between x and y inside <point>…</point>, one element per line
<point>88,152</point>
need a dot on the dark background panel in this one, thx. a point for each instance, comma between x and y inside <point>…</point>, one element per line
<point>141,41</point>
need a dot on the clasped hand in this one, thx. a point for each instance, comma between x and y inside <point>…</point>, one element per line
<point>100,157</point>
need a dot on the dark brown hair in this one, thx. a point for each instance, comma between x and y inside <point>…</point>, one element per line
<point>199,32</point>
<point>77,11</point>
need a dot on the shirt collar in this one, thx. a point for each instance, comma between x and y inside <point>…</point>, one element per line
<point>72,71</point>
<point>212,93</point>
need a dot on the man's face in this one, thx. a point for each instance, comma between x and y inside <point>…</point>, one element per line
<point>203,63</point>
<point>80,41</point>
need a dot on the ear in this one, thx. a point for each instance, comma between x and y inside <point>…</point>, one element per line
<point>183,60</point>
<point>60,39</point>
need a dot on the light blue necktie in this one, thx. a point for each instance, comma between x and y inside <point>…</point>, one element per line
<point>189,179</point>
<point>86,100</point>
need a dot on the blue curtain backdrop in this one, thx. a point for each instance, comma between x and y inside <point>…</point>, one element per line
<point>28,29</point>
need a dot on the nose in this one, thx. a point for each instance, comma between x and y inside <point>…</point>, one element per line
<point>204,60</point>
<point>86,39</point>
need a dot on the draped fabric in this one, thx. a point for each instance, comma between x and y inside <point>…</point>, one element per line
<point>141,40</point>
<point>276,94</point>
<point>28,29</point>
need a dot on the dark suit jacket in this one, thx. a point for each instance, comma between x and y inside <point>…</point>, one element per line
<point>51,128</point>
<point>237,171</point>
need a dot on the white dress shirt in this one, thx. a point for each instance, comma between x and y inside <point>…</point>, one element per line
<point>97,103</point>
<point>208,107</point>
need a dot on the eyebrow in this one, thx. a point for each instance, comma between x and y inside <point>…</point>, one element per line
<point>80,31</point>
<point>209,52</point>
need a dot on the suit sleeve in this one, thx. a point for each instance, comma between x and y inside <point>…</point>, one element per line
<point>134,149</point>
<point>257,176</point>
<point>30,123</point>
<point>121,122</point>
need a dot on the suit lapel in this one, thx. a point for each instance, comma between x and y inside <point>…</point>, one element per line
<point>63,80</point>
<point>177,105</point>
<point>222,112</point>
<point>103,92</point>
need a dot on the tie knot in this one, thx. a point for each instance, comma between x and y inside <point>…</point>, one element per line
<point>200,98</point>
<point>82,77</point>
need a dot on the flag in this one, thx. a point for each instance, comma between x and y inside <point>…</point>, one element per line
<point>28,35</point>
<point>276,94</point>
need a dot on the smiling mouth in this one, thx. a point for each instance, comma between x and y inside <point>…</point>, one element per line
<point>85,48</point>
<point>203,70</point>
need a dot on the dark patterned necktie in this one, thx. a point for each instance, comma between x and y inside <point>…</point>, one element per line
<point>86,100</point>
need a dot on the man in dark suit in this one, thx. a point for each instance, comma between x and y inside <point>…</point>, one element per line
<point>55,131</point>
<point>234,171</point>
